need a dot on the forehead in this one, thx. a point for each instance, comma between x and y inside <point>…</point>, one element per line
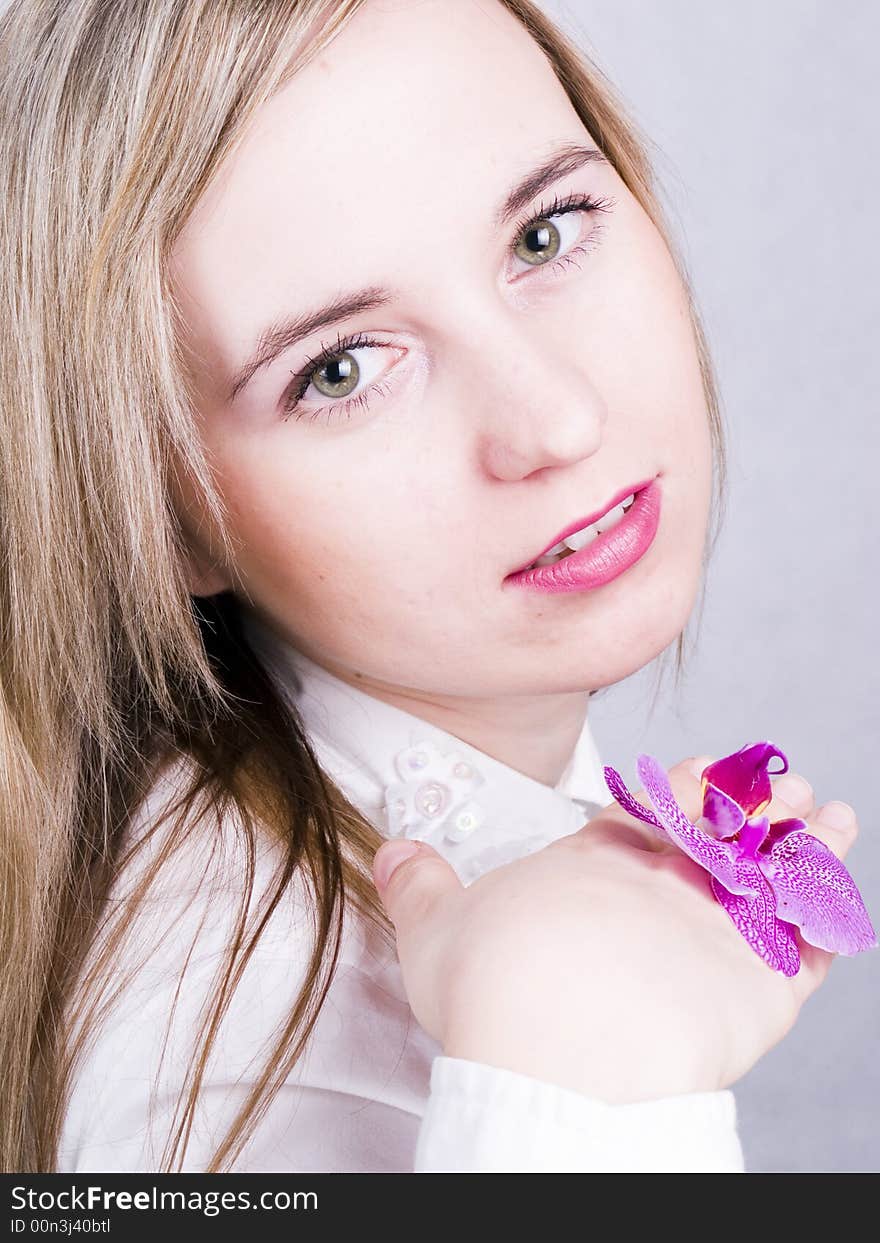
<point>412,114</point>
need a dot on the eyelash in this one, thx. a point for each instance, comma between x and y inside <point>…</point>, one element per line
<point>302,378</point>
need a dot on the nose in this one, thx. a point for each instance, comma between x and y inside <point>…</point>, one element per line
<point>537,406</point>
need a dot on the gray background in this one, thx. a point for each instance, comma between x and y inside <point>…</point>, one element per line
<point>764,135</point>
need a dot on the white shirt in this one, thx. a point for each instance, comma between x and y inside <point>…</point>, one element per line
<point>373,1092</point>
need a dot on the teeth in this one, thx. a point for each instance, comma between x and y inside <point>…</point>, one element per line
<point>560,547</point>
<point>580,539</point>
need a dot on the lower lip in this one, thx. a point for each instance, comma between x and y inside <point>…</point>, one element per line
<point>606,557</point>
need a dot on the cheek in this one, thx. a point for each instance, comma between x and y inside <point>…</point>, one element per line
<point>668,363</point>
<point>330,530</point>
<point>345,564</point>
<point>640,312</point>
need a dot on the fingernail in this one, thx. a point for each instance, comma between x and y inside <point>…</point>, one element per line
<point>837,815</point>
<point>388,857</point>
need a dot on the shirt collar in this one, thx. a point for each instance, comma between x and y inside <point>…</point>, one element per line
<point>411,778</point>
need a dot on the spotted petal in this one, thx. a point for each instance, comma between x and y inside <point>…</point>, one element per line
<point>721,858</point>
<point>780,829</point>
<point>754,915</point>
<point>614,781</point>
<point>815,891</point>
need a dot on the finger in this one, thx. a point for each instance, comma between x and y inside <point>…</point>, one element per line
<point>687,791</point>
<point>698,763</point>
<point>687,785</point>
<point>836,825</point>
<point>792,796</point>
<point>815,965</point>
<point>412,880</point>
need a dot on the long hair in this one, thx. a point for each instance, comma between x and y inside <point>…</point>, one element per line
<point>114,117</point>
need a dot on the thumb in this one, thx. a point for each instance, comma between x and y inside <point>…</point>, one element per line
<point>412,880</point>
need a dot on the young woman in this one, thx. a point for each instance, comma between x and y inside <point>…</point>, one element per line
<point>323,321</point>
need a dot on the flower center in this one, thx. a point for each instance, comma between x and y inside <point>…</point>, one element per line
<point>751,836</point>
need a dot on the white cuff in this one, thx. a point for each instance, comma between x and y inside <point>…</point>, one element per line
<point>488,1119</point>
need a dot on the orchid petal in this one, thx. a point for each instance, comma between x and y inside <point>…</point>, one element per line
<point>718,857</point>
<point>744,777</point>
<point>752,836</point>
<point>723,815</point>
<point>770,878</point>
<point>614,781</point>
<point>754,915</point>
<point>780,829</point>
<point>816,892</point>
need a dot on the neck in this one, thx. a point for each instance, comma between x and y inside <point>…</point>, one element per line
<point>534,734</point>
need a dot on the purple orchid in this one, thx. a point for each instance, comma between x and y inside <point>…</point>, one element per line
<point>770,878</point>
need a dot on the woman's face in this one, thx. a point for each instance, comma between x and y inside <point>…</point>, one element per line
<point>494,397</point>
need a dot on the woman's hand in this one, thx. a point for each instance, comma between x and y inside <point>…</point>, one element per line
<point>601,962</point>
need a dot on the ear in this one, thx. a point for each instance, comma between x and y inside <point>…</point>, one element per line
<point>203,577</point>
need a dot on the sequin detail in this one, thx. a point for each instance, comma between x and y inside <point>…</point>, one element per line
<point>433,796</point>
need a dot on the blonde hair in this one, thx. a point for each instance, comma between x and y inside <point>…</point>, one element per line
<point>113,120</point>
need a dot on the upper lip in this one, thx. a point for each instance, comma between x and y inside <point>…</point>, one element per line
<point>578,523</point>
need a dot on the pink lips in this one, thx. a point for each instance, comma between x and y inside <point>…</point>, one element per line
<point>608,555</point>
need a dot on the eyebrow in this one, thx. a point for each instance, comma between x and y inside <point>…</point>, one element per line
<point>286,332</point>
